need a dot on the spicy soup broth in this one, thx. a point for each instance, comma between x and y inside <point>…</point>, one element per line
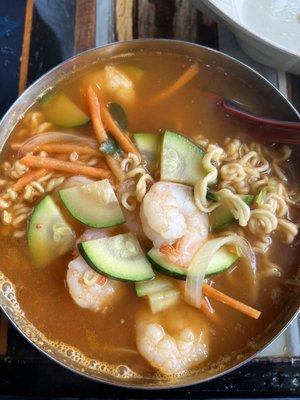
<point>109,334</point>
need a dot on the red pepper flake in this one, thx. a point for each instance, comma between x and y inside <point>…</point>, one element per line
<point>149,183</point>
<point>102,280</point>
<point>169,249</point>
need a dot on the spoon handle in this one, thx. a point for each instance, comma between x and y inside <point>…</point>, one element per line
<point>276,130</point>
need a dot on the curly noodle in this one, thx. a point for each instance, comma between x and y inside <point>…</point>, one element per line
<point>213,154</point>
<point>273,207</point>
<point>289,229</point>
<point>236,205</point>
<point>33,124</point>
<point>262,221</point>
<point>262,244</point>
<point>243,166</point>
<point>134,167</point>
<point>245,169</point>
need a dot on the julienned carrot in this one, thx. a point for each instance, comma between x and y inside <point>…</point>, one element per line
<point>67,148</point>
<point>229,301</point>
<point>15,146</point>
<point>124,141</point>
<point>95,113</point>
<point>210,314</point>
<point>115,168</point>
<point>65,166</point>
<point>181,81</point>
<point>28,178</point>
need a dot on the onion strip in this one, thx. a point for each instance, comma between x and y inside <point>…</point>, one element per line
<point>52,137</point>
<point>201,260</point>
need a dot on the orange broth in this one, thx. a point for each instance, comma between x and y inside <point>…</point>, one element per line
<point>43,294</point>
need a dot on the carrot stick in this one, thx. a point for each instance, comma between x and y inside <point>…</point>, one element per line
<point>15,146</point>
<point>229,301</point>
<point>113,128</point>
<point>29,177</point>
<point>65,166</point>
<point>115,168</point>
<point>181,81</point>
<point>209,313</point>
<point>67,148</point>
<point>95,113</point>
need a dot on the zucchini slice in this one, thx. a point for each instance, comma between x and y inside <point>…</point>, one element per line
<point>149,145</point>
<point>222,217</point>
<point>160,301</point>
<point>160,292</point>
<point>49,235</point>
<point>163,265</point>
<point>221,261</point>
<point>62,111</point>
<point>119,115</point>
<point>95,204</point>
<point>156,285</point>
<point>261,196</point>
<point>119,257</point>
<point>181,160</point>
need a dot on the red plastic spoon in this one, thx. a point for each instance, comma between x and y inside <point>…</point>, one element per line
<point>275,131</point>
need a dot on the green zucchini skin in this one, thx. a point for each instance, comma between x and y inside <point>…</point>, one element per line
<point>85,203</point>
<point>221,217</point>
<point>108,257</point>
<point>181,159</point>
<point>62,111</point>
<point>42,247</point>
<point>177,274</point>
<point>149,145</point>
<point>221,262</point>
<point>92,265</point>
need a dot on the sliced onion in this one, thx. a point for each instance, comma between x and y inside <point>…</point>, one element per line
<point>76,180</point>
<point>52,137</point>
<point>200,261</point>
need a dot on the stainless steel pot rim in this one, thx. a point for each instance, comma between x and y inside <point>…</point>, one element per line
<point>141,41</point>
<point>124,384</point>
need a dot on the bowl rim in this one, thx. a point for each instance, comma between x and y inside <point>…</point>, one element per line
<point>246,29</point>
<point>124,384</point>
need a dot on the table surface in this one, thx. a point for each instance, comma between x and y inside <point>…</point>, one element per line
<point>34,37</point>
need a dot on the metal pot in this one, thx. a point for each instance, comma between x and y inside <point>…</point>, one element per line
<point>229,73</point>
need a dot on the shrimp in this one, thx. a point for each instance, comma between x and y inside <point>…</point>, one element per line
<point>172,342</point>
<point>88,288</point>
<point>170,217</point>
<point>119,84</point>
<point>114,81</point>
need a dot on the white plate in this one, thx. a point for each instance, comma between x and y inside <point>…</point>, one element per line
<point>267,30</point>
